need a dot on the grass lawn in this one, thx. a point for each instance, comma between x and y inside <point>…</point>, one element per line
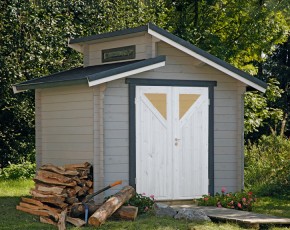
<point>10,218</point>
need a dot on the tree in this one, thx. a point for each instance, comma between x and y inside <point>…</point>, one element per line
<point>33,38</point>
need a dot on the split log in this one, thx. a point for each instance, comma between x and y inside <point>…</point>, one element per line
<point>32,201</point>
<point>111,205</point>
<point>77,166</point>
<point>89,183</point>
<point>53,189</point>
<point>59,170</point>
<point>71,200</point>
<point>75,221</point>
<point>56,201</point>
<point>44,213</point>
<point>46,180</point>
<point>55,211</point>
<point>47,220</point>
<point>54,178</point>
<point>61,223</point>
<point>36,193</point>
<point>126,213</point>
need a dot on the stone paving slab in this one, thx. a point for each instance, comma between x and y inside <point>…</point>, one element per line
<point>250,218</point>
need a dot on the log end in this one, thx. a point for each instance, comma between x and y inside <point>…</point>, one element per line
<point>94,222</point>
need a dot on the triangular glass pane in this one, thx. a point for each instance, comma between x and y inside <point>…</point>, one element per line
<point>185,102</point>
<point>158,100</point>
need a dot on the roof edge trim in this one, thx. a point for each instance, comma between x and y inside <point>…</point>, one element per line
<point>125,71</point>
<point>206,57</point>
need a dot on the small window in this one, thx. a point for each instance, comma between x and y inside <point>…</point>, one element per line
<point>118,54</point>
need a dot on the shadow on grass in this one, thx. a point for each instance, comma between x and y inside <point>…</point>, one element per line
<point>11,219</point>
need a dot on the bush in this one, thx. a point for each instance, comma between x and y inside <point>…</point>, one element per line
<point>25,170</point>
<point>143,202</point>
<point>240,200</point>
<point>267,166</point>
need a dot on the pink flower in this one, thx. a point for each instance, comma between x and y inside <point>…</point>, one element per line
<point>223,190</point>
<point>205,199</point>
<point>244,200</point>
<point>250,193</point>
<point>152,197</point>
<point>232,206</point>
<point>219,206</point>
<point>239,205</point>
<point>228,194</point>
<point>143,194</point>
<point>232,202</point>
<point>146,209</point>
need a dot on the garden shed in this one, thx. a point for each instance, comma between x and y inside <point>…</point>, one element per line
<point>147,108</point>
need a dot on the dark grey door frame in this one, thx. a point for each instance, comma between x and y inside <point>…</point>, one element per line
<point>133,82</point>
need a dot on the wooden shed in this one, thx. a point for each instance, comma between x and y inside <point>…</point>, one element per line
<point>147,108</point>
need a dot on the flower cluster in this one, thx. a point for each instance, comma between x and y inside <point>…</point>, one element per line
<point>143,202</point>
<point>240,200</point>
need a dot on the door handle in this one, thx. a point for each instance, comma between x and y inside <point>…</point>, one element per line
<point>176,139</point>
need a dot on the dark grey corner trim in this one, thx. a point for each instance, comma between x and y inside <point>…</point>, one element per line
<point>133,82</point>
<point>211,159</point>
<point>132,136</point>
<point>126,68</point>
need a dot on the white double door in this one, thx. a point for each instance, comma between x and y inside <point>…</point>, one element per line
<point>172,141</point>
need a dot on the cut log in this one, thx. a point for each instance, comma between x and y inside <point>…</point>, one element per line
<point>32,201</point>
<point>59,170</point>
<point>36,193</point>
<point>47,220</point>
<point>78,209</point>
<point>76,166</point>
<point>53,189</point>
<point>75,221</point>
<point>111,205</point>
<point>42,174</point>
<point>123,213</point>
<point>89,183</point>
<point>57,201</point>
<point>71,200</point>
<point>37,212</point>
<point>55,211</point>
<point>71,192</point>
<point>46,180</point>
<point>61,223</point>
<point>126,213</point>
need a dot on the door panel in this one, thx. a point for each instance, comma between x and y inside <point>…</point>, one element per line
<point>172,141</point>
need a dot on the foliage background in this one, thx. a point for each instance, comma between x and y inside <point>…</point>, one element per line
<point>253,35</point>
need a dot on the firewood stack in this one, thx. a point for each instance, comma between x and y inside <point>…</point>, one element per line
<point>57,189</point>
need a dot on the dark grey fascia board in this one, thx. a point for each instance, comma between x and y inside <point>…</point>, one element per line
<point>126,68</point>
<point>38,85</point>
<point>109,35</point>
<point>205,54</point>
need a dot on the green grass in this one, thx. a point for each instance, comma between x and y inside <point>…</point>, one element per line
<point>11,219</point>
<point>12,188</point>
<point>273,206</point>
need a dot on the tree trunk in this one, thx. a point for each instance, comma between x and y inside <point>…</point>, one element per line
<point>111,205</point>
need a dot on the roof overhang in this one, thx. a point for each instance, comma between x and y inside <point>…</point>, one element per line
<point>92,75</point>
<point>125,71</point>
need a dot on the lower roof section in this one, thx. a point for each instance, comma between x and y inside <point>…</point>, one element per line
<point>94,75</point>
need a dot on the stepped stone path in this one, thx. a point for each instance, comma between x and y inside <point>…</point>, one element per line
<point>246,219</point>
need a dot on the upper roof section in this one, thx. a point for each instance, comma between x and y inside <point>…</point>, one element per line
<point>110,62</point>
<point>163,35</point>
